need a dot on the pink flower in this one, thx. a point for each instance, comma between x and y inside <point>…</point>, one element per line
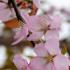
<point>45,25</point>
<point>47,61</point>
<point>39,25</point>
<point>36,25</point>
<point>20,63</point>
<point>52,35</point>
<point>33,24</point>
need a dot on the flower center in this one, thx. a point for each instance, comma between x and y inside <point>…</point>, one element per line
<point>45,29</point>
<point>50,58</point>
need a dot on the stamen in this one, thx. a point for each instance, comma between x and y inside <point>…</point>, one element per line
<point>49,58</point>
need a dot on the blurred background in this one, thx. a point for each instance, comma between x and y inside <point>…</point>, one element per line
<point>8,23</point>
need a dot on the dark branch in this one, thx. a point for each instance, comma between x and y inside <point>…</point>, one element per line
<point>12,2</point>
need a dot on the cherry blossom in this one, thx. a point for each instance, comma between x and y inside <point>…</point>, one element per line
<point>52,35</point>
<point>44,28</point>
<point>47,61</point>
<point>36,25</point>
<point>32,24</point>
<point>43,61</point>
<point>41,25</point>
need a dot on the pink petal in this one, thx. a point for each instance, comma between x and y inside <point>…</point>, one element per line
<point>50,66</point>
<point>25,16</point>
<point>22,32</point>
<point>52,34</point>
<point>56,22</point>
<point>17,41</point>
<point>35,23</point>
<point>6,14</point>
<point>52,42</point>
<point>52,47</point>
<point>37,3</point>
<point>44,20</point>
<point>21,35</point>
<point>61,62</point>
<point>41,50</point>
<point>20,62</point>
<point>31,21</point>
<point>62,68</point>
<point>37,64</point>
<point>35,36</point>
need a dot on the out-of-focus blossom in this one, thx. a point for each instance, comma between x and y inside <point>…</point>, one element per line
<point>58,4</point>
<point>42,4</point>
<point>3,55</point>
<point>64,33</point>
<point>20,63</point>
<point>5,12</point>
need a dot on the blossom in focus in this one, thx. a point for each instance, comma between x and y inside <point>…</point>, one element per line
<point>47,61</point>
<point>32,24</point>
<point>43,61</point>
<point>39,26</point>
<point>49,56</point>
<point>52,35</point>
<point>36,25</point>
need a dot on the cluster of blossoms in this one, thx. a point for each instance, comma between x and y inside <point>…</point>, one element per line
<point>46,29</point>
<point>43,31</point>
